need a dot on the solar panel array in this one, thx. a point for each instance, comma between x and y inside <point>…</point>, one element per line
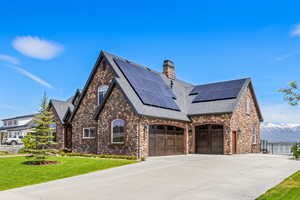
<point>217,91</point>
<point>148,85</point>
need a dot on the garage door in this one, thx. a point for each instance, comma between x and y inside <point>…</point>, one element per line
<point>209,139</point>
<point>165,140</point>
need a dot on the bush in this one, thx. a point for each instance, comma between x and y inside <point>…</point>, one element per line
<point>66,150</point>
<point>4,152</point>
<point>22,150</point>
<point>296,150</point>
<point>99,156</point>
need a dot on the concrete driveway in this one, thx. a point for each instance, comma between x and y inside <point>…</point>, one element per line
<point>238,177</point>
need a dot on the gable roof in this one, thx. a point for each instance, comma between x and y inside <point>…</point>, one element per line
<point>184,93</point>
<point>61,108</point>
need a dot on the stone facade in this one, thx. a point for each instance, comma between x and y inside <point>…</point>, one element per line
<point>117,107</point>
<point>245,122</point>
<point>84,117</point>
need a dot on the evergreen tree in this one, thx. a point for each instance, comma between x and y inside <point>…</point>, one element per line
<point>37,143</point>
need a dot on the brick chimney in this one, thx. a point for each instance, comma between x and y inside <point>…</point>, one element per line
<point>169,69</point>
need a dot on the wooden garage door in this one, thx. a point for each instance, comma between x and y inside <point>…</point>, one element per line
<point>165,140</point>
<point>209,139</point>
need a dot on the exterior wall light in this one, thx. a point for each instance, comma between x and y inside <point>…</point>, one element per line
<point>239,131</point>
<point>227,130</point>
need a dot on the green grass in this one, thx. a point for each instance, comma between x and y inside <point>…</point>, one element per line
<point>289,189</point>
<point>13,173</point>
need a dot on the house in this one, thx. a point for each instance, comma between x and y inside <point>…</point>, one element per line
<point>129,109</point>
<point>16,126</point>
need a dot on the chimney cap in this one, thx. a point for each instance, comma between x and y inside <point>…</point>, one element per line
<point>169,62</point>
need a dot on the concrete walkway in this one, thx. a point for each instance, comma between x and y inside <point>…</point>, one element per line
<point>14,155</point>
<point>207,177</point>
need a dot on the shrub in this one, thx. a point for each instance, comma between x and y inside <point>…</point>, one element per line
<point>296,150</point>
<point>22,150</point>
<point>4,152</point>
<point>66,150</point>
<point>99,156</point>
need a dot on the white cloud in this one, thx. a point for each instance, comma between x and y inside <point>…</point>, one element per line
<point>9,59</point>
<point>281,113</point>
<point>37,48</point>
<point>284,56</point>
<point>296,31</point>
<point>32,76</point>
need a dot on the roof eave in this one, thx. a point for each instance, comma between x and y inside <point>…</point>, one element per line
<point>212,113</point>
<point>87,84</point>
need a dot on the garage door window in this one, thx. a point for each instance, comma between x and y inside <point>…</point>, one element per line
<point>118,131</point>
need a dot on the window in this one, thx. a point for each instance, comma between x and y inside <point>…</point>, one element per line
<point>254,135</point>
<point>52,137</point>
<point>117,131</point>
<point>89,133</point>
<point>52,134</point>
<point>5,123</point>
<point>15,122</point>
<point>248,108</point>
<point>101,93</point>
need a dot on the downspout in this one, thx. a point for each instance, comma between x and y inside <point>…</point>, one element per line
<point>138,137</point>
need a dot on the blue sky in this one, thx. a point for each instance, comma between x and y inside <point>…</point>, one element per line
<point>52,46</point>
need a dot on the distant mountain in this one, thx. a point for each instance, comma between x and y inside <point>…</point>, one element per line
<point>280,132</point>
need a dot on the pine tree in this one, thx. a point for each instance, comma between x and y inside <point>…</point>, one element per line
<point>37,143</point>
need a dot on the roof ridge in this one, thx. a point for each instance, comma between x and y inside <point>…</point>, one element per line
<point>223,81</point>
<point>147,68</point>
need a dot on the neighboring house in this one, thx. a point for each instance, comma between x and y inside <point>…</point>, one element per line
<point>61,111</point>
<point>16,126</point>
<point>129,109</point>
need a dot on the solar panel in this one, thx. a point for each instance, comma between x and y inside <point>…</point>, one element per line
<point>217,91</point>
<point>148,85</point>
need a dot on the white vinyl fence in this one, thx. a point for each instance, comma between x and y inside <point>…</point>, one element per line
<point>280,148</point>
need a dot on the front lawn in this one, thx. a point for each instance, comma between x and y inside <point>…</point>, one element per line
<point>15,174</point>
<point>289,189</point>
